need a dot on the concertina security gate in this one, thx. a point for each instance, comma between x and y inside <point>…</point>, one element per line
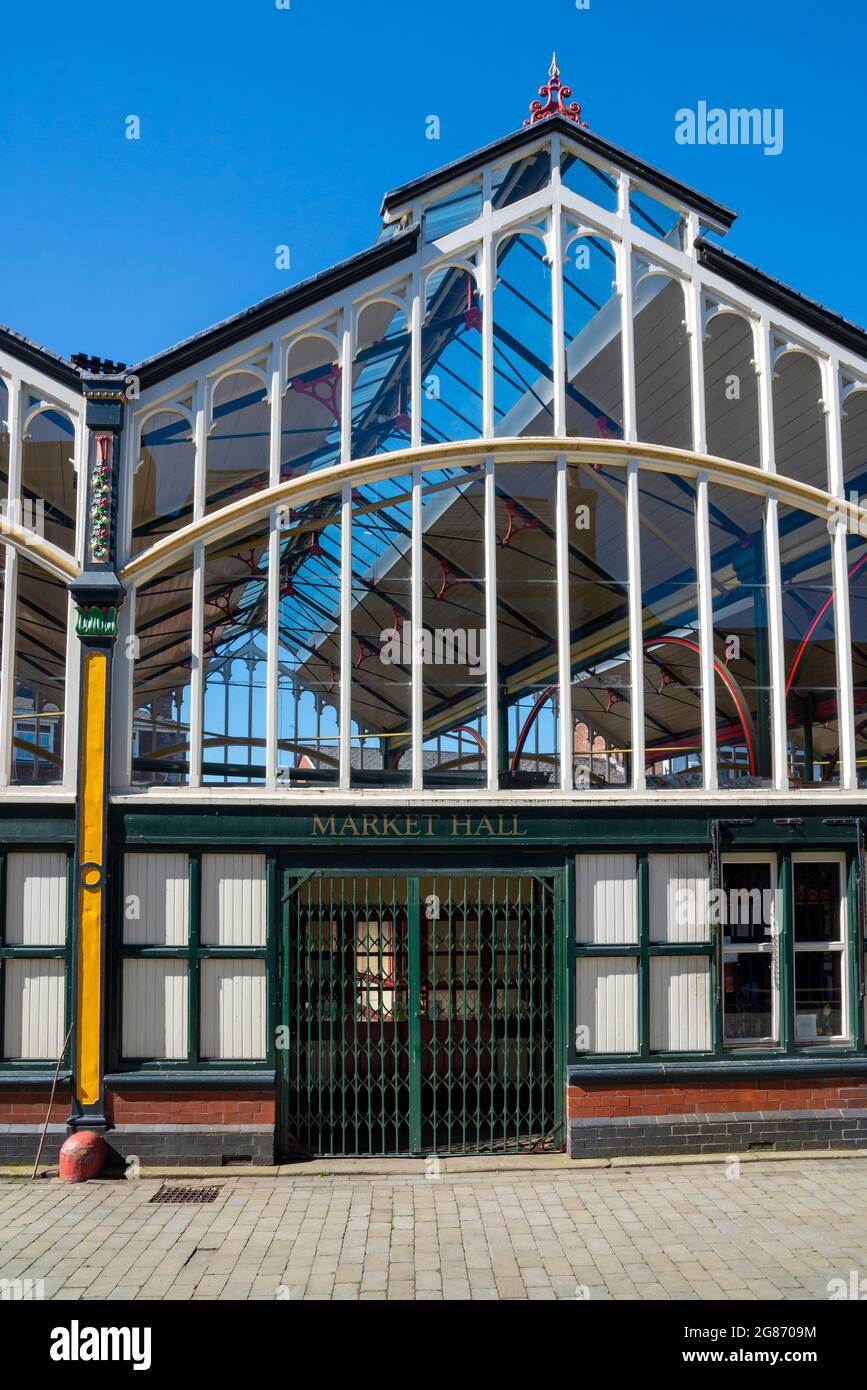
<point>422,1013</point>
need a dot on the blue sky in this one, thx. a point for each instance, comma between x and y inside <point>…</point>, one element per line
<point>262,126</point>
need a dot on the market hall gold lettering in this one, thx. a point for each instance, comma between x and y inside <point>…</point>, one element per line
<point>413,827</point>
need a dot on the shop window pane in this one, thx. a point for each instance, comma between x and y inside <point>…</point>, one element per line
<point>235,655</point>
<point>163,480</point>
<point>310,412</point>
<point>606,1005</point>
<point>161,677</point>
<point>809,648</point>
<point>36,899</point>
<point>748,996</point>
<point>678,897</point>
<point>818,995</point>
<point>382,649</point>
<point>239,440</point>
<point>748,909</point>
<point>155,1005</point>
<point>451,352</point>
<point>680,1004</point>
<point>156,899</point>
<point>739,596</point>
<point>234,900</point>
<point>606,910</point>
<point>818,902</point>
<point>308,652</point>
<point>39,695</point>
<point>233,1009</point>
<point>381,378</point>
<point>523,342</point>
<point>453,640</point>
<point>527,624</point>
<point>662,372</point>
<point>670,626</point>
<point>591,326</point>
<point>34,1009</point>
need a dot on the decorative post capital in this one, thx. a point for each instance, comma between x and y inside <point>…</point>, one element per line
<point>98,596</point>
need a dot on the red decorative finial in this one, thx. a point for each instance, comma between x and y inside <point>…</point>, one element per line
<point>556,99</point>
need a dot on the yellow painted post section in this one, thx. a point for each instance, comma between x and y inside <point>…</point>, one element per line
<point>90,851</point>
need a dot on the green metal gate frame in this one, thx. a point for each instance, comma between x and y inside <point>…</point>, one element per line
<point>293,878</point>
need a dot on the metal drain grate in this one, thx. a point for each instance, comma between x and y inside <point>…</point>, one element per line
<point>186,1194</point>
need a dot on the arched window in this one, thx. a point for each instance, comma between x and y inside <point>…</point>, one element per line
<point>809,645</point>
<point>662,375</point>
<point>591,327</point>
<point>39,688</point>
<point>800,444</point>
<point>310,416</point>
<point>48,477</point>
<point>239,440</point>
<point>162,666</point>
<point>381,378</point>
<point>451,357</point>
<point>731,398</point>
<point>855,483</point>
<point>163,479</point>
<point>523,337</point>
<point>4,440</point>
<point>235,657</point>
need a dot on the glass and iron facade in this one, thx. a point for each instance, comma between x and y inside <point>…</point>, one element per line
<point>484,687</point>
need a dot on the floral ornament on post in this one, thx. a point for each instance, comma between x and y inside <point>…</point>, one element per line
<point>100,500</point>
<point>556,98</point>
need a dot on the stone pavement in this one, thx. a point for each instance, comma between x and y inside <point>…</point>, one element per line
<point>758,1230</point>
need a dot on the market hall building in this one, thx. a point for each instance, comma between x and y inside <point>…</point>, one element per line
<point>434,701</point>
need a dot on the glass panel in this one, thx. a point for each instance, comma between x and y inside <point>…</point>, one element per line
<point>233,1009</point>
<point>453,210</point>
<point>818,902</point>
<point>523,344</point>
<point>606,1004</point>
<point>162,489</point>
<point>161,677</point>
<point>672,669</point>
<point>527,624</point>
<point>382,648</point>
<point>591,324</point>
<point>739,597</point>
<point>818,995</point>
<point>156,899</point>
<point>381,378</point>
<point>599,626</point>
<point>454,638</point>
<point>656,218</point>
<point>308,652</point>
<point>855,474</point>
<point>451,350</point>
<point>748,909</point>
<point>34,1009</point>
<point>239,440</point>
<point>854,415</point>
<point>748,996</point>
<point>310,425</point>
<point>588,180</point>
<point>48,477</point>
<point>662,375</point>
<point>38,701</point>
<point>679,897</point>
<point>606,905</point>
<point>4,442</point>
<point>800,449</point>
<point>234,658</point>
<point>155,1003</point>
<point>512,182</point>
<point>731,395</point>
<point>809,647</point>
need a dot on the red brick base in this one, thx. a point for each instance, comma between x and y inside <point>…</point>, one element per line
<point>147,1106</point>
<point>619,1099</point>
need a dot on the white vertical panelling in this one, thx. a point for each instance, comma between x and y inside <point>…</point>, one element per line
<point>156,899</point>
<point>606,899</point>
<point>233,1009</point>
<point>35,1010</point>
<point>679,1004</point>
<point>155,1007</point>
<point>606,1004</point>
<point>233,900</point>
<point>678,897</point>
<point>36,899</point>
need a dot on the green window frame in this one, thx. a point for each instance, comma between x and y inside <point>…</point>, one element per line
<point>22,952</point>
<point>194,954</point>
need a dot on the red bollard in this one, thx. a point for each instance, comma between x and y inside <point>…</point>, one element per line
<point>82,1156</point>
